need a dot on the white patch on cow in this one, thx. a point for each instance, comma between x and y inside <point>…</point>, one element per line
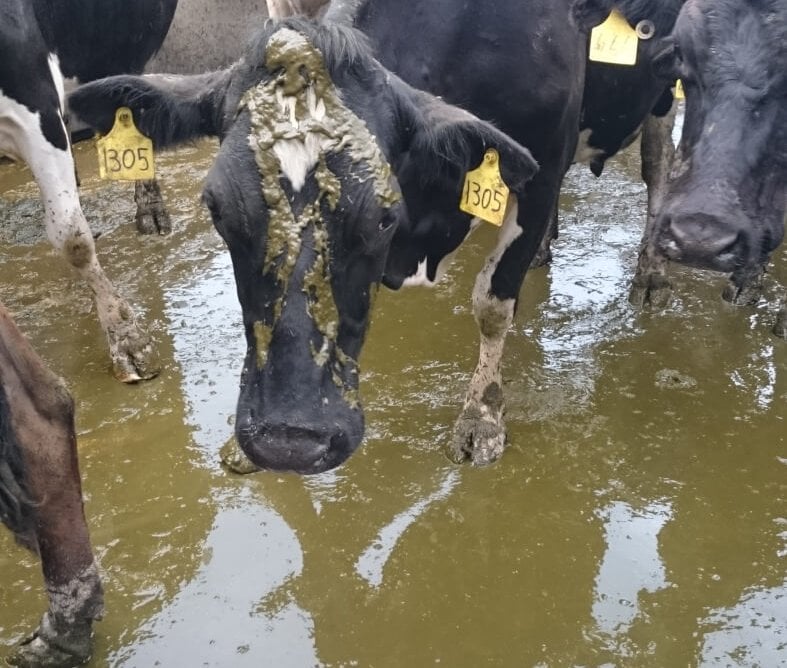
<point>585,153</point>
<point>57,77</point>
<point>493,315</point>
<point>420,277</point>
<point>299,156</point>
<point>53,169</point>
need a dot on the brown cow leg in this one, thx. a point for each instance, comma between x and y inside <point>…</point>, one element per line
<point>41,417</point>
<point>152,216</point>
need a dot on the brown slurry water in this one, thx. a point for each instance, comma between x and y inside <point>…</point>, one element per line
<point>637,518</point>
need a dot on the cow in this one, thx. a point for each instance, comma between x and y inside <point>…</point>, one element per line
<point>41,500</point>
<point>329,168</point>
<point>618,104</point>
<point>726,194</point>
<point>41,42</point>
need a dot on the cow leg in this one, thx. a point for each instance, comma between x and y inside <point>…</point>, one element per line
<point>130,347</point>
<point>744,287</point>
<point>544,252</point>
<point>41,421</point>
<point>650,284</point>
<point>479,432</point>
<point>780,328</point>
<point>152,216</point>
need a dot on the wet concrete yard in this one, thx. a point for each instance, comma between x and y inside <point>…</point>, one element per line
<point>637,518</point>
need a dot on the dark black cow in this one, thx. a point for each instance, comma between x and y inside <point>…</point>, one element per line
<point>40,41</point>
<point>725,203</point>
<point>329,169</point>
<point>41,500</point>
<point>619,103</point>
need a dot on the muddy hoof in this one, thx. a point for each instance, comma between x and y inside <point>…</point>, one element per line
<point>747,294</point>
<point>652,290</point>
<point>132,367</point>
<point>780,328</point>
<point>235,460</point>
<point>133,355</point>
<point>46,648</point>
<point>152,216</point>
<point>543,257</point>
<point>477,438</point>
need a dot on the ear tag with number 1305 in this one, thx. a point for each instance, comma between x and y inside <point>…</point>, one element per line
<point>485,194</point>
<point>125,154</point>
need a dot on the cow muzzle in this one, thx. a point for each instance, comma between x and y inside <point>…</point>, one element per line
<point>297,446</point>
<point>704,241</point>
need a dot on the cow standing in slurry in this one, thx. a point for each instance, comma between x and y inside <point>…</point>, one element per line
<point>325,158</point>
<point>41,500</point>
<point>726,197</point>
<point>41,42</point>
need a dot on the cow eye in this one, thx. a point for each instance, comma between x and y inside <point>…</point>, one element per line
<point>386,221</point>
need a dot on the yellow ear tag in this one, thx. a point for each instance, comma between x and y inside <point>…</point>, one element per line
<point>680,94</point>
<point>614,41</point>
<point>485,194</point>
<point>125,154</point>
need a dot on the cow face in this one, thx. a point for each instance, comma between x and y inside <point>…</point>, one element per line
<point>304,192</point>
<point>725,205</point>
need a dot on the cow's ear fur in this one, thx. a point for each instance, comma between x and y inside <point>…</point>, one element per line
<point>168,109</point>
<point>444,141</point>
<point>587,14</point>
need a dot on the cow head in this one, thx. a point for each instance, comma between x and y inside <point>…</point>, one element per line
<point>725,205</point>
<point>304,192</point>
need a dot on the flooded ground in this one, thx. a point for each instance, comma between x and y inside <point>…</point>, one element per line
<point>638,517</point>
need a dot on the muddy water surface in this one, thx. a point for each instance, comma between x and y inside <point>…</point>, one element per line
<point>638,517</point>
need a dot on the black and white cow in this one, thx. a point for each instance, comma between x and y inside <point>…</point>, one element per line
<point>41,500</point>
<point>329,168</point>
<point>726,197</point>
<point>41,42</point>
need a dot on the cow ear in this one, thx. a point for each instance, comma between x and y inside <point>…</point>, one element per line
<point>445,142</point>
<point>168,109</point>
<point>667,63</point>
<point>587,14</point>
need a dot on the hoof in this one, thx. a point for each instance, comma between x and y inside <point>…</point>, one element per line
<point>235,460</point>
<point>133,357</point>
<point>747,294</point>
<point>780,328</point>
<point>46,648</point>
<point>152,216</point>
<point>479,436</point>
<point>652,290</point>
<point>542,258</point>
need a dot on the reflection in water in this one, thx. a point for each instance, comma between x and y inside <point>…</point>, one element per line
<point>753,633</point>
<point>209,347</point>
<point>214,615</point>
<point>371,563</point>
<point>631,563</point>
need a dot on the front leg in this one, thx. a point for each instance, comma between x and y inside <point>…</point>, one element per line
<point>38,419</point>
<point>130,347</point>
<point>780,328</point>
<point>650,284</point>
<point>152,216</point>
<point>479,432</point>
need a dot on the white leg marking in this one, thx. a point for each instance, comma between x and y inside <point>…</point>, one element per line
<point>57,77</point>
<point>67,229</point>
<point>479,432</point>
